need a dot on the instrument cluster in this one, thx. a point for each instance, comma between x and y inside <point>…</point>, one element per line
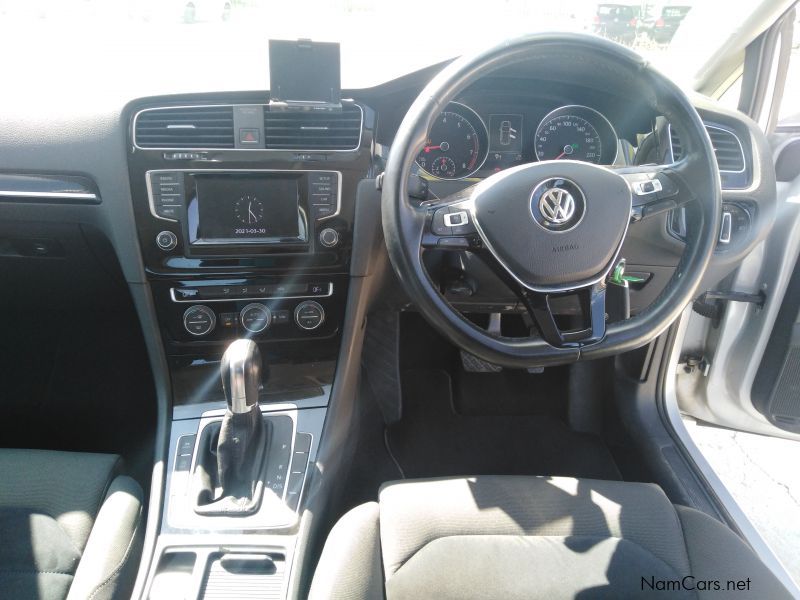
<point>462,144</point>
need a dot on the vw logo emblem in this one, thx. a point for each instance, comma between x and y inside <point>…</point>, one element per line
<point>557,205</point>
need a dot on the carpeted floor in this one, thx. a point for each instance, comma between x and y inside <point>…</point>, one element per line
<point>524,436</point>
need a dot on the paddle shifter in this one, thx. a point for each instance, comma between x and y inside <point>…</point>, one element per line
<point>232,452</point>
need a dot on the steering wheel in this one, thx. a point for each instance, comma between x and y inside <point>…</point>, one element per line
<point>554,227</point>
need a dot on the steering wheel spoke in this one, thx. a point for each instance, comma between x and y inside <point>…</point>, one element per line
<point>592,301</point>
<point>655,189</point>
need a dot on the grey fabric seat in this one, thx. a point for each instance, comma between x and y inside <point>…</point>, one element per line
<point>69,526</point>
<point>534,537</point>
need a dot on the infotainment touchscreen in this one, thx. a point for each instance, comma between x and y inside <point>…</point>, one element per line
<point>231,209</point>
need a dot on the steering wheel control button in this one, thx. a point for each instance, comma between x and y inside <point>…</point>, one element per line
<point>558,204</point>
<point>451,220</point>
<point>199,320</point>
<point>456,219</point>
<point>649,186</point>
<point>309,315</point>
<point>453,242</point>
<point>255,317</point>
<point>329,237</point>
<point>166,240</point>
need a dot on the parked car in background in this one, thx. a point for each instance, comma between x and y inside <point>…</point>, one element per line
<point>186,11</point>
<point>667,24</point>
<point>618,22</point>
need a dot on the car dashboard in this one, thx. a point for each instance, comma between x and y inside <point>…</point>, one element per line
<point>230,218</point>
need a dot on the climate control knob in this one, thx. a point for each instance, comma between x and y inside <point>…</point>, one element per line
<point>309,315</point>
<point>199,320</point>
<point>255,317</point>
<point>329,237</point>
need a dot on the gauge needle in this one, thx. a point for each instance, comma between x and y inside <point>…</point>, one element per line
<point>429,148</point>
<point>564,153</point>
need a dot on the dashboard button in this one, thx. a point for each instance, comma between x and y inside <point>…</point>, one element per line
<point>329,237</point>
<point>166,240</point>
<point>199,320</point>
<point>280,317</point>
<point>255,317</point>
<point>228,320</point>
<point>187,293</point>
<point>309,315</point>
<point>168,211</point>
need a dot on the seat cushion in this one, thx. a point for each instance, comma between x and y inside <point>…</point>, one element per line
<point>548,536</point>
<point>49,502</point>
<point>534,537</point>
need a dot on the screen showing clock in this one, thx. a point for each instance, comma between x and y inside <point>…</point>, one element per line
<point>246,208</point>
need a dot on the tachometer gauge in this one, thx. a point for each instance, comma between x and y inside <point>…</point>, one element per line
<point>457,144</point>
<point>576,133</point>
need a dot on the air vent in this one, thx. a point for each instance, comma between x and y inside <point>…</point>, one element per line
<point>313,130</point>
<point>196,127</point>
<point>727,148</point>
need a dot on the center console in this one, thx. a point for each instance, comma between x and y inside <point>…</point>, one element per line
<point>245,212</point>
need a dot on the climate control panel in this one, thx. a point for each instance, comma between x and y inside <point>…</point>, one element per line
<point>212,311</point>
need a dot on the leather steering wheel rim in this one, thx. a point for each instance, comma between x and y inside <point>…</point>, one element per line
<point>403,223</point>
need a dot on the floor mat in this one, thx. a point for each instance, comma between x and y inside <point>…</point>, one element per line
<point>432,440</point>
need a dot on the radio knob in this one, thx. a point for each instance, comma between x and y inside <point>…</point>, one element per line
<point>255,317</point>
<point>166,240</point>
<point>199,320</point>
<point>329,237</point>
<point>309,315</point>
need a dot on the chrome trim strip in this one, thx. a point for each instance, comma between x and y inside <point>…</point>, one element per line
<point>590,109</point>
<point>188,149</point>
<point>330,216</point>
<point>54,195</point>
<point>250,299</point>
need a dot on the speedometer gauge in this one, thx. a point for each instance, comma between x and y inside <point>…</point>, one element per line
<point>576,133</point>
<point>457,144</point>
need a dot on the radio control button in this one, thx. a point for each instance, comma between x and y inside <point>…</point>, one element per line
<point>255,317</point>
<point>309,315</point>
<point>168,211</point>
<point>199,320</point>
<point>166,240</point>
<point>329,237</point>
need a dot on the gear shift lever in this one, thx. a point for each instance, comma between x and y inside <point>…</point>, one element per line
<point>242,432</point>
<point>240,370</point>
<point>231,465</point>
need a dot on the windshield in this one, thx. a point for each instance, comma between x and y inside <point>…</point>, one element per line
<point>143,47</point>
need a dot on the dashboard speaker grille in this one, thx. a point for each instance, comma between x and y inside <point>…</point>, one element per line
<point>195,127</point>
<point>313,130</point>
<point>727,148</point>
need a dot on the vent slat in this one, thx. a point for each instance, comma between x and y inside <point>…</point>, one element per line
<point>727,150</point>
<point>313,130</point>
<point>193,127</point>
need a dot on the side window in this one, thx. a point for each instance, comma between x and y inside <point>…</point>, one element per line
<point>789,112</point>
